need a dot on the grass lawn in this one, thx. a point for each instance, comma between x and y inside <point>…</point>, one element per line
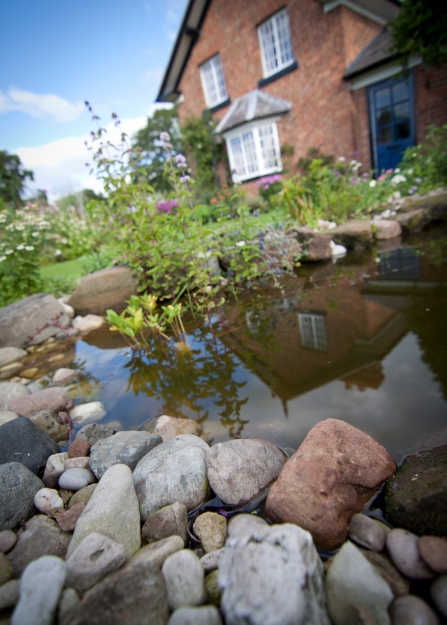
<point>67,271</point>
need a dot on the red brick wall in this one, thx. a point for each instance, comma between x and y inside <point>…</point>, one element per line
<point>362,133</point>
<point>430,93</point>
<point>323,110</point>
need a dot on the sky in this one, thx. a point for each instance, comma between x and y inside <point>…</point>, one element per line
<point>56,55</point>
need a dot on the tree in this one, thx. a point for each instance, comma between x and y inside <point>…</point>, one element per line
<point>147,140</point>
<point>12,178</point>
<point>420,29</point>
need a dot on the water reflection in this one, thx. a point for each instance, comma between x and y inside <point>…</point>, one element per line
<point>359,340</point>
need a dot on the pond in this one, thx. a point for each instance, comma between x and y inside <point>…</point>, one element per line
<point>362,340</point>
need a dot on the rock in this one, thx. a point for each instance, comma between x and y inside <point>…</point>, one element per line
<point>315,246</point>
<point>185,579</point>
<point>21,441</point>
<point>134,595</point>
<point>82,462</point>
<point>94,558</point>
<point>366,532</point>
<point>339,468</point>
<point>22,319</point>
<point>282,251</point>
<point>122,448</point>
<point>354,234</point>
<point>387,229</point>
<point>8,539</point>
<point>47,500</point>
<point>87,412</point>
<point>79,449</point>
<point>158,552</point>
<point>75,479</point>
<point>8,371</point>
<point>83,495</point>
<point>55,399</point>
<point>54,468</point>
<point>173,471</point>
<point>411,610</point>
<point>433,551</point>
<point>210,561</point>
<point>39,537</point>
<point>66,495</point>
<point>211,529</point>
<point>9,594</point>
<point>51,424</point>
<point>5,569</point>
<point>6,416</point>
<point>439,594</point>
<point>94,432</point>
<point>212,588</point>
<point>202,615</point>
<point>64,376</point>
<point>168,427</point>
<point>403,549</point>
<point>239,470</point>
<point>356,593</point>
<point>68,605</point>
<point>246,525</point>
<point>30,373</point>
<point>67,520</point>
<point>18,485</point>
<point>399,584</point>
<point>274,579</point>
<point>40,589</point>
<point>419,505</point>
<point>11,354</point>
<point>111,511</point>
<point>107,288</point>
<point>87,323</point>
<point>169,521</point>
<point>10,391</point>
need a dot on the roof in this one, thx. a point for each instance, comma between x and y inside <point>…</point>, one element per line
<point>375,53</point>
<point>253,105</point>
<point>195,15</point>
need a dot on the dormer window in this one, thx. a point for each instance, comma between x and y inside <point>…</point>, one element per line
<point>275,43</point>
<point>213,82</point>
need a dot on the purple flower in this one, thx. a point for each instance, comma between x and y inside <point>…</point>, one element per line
<point>167,206</point>
<point>180,159</point>
<point>164,136</point>
<point>418,180</point>
<point>184,178</point>
<point>268,180</point>
<point>182,165</point>
<point>353,181</point>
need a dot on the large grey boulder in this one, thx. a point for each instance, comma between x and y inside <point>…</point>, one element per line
<point>21,441</point>
<point>315,246</point>
<point>173,471</point>
<point>134,595</point>
<point>356,593</point>
<point>39,537</point>
<point>112,511</point>
<point>107,288</point>
<point>21,320</point>
<point>10,391</point>
<point>239,470</point>
<point>122,448</point>
<point>416,496</point>
<point>276,578</point>
<point>11,354</point>
<point>40,589</point>
<point>18,486</point>
<point>355,234</point>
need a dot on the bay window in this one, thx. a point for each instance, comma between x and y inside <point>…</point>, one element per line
<point>253,150</point>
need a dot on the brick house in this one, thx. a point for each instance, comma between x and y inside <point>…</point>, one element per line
<point>285,77</point>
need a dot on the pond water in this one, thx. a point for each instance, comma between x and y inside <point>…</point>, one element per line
<point>362,340</point>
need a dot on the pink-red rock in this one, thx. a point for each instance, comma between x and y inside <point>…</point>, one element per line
<point>332,475</point>
<point>67,520</point>
<point>55,399</point>
<point>79,449</point>
<point>433,551</point>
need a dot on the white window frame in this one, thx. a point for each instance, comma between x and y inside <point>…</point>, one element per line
<point>253,127</point>
<point>313,337</point>
<point>281,65</point>
<point>211,63</point>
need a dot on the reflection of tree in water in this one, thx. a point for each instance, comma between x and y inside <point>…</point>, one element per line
<point>178,379</point>
<point>426,317</point>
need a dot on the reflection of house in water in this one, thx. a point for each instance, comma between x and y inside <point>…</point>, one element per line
<point>315,336</point>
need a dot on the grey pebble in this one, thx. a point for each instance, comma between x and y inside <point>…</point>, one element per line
<point>366,532</point>
<point>411,610</point>
<point>75,479</point>
<point>403,549</point>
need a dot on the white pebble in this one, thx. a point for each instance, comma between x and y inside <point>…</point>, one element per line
<point>75,479</point>
<point>47,499</point>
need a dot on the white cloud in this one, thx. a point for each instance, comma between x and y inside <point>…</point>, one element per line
<point>60,166</point>
<point>153,76</point>
<point>39,105</point>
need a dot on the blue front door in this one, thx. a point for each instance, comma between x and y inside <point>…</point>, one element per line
<point>392,121</point>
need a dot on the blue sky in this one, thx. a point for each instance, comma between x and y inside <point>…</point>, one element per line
<point>55,55</point>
